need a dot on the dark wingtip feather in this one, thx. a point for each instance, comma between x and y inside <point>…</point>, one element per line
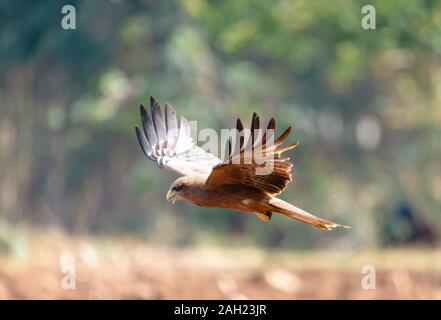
<point>144,115</point>
<point>283,135</point>
<point>147,124</point>
<point>139,135</point>
<point>154,105</point>
<point>142,110</point>
<point>272,124</point>
<point>255,122</point>
<point>239,125</point>
<point>157,117</point>
<point>269,133</point>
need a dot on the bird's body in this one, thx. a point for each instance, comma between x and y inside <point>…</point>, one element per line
<point>241,198</point>
<point>240,183</point>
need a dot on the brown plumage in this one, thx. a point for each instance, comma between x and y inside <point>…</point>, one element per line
<point>249,180</point>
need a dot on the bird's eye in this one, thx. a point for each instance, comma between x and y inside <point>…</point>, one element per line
<point>178,187</point>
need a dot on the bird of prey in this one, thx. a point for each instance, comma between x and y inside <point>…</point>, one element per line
<point>235,183</point>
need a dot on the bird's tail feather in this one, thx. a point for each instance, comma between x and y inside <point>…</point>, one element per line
<point>283,207</point>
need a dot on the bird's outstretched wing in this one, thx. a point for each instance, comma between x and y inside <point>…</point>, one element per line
<point>257,163</point>
<point>170,145</point>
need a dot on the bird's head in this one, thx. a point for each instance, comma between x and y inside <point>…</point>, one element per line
<point>178,190</point>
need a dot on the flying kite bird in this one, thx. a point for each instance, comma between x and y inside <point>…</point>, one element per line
<point>234,184</point>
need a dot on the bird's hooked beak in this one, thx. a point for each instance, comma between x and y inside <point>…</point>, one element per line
<point>172,196</point>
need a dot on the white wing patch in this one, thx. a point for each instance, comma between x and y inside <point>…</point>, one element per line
<point>170,145</point>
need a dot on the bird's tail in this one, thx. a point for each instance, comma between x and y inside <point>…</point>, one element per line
<point>283,207</point>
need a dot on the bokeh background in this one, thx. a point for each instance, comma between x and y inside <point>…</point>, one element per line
<point>76,189</point>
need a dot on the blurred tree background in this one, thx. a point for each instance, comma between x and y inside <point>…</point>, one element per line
<point>365,106</point>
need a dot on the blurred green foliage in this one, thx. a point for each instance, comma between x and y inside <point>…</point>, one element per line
<point>366,106</point>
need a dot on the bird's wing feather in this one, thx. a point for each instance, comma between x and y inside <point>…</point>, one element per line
<point>248,162</point>
<point>170,145</point>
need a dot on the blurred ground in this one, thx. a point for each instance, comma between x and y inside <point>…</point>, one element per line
<point>129,268</point>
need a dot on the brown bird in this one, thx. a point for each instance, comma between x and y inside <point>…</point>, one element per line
<point>234,184</point>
